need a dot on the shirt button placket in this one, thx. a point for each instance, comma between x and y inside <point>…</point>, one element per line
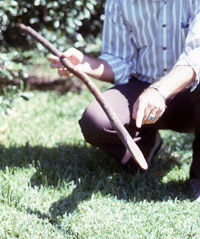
<point>164,26</point>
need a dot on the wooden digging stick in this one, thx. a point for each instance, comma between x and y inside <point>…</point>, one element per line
<point>115,122</point>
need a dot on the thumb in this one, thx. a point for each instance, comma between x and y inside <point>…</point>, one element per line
<point>68,53</point>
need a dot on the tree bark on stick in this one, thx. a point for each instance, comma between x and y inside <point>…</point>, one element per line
<point>115,122</point>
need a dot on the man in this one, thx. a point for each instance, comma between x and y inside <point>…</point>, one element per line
<point>151,52</point>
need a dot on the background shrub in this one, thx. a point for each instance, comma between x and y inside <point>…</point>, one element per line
<point>63,22</point>
<point>77,22</point>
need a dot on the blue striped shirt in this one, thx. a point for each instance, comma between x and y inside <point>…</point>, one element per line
<point>147,38</point>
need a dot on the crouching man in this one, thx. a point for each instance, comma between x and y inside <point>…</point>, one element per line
<point>151,53</point>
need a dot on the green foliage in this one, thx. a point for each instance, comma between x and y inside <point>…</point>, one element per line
<point>77,22</point>
<point>12,73</point>
<point>12,66</point>
<point>62,22</point>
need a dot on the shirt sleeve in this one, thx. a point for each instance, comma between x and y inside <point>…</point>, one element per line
<point>191,53</point>
<point>118,48</point>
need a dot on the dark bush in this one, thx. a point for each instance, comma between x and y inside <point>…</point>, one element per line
<point>62,22</point>
<point>77,22</point>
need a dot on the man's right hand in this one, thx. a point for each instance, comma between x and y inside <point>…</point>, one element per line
<point>75,56</point>
<point>93,67</point>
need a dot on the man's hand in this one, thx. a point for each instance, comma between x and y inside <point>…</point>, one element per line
<point>75,56</point>
<point>150,105</point>
<point>148,108</point>
<point>94,67</point>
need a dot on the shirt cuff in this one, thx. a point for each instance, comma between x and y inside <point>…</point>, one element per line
<point>121,69</point>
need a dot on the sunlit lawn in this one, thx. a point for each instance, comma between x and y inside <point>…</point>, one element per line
<point>53,185</point>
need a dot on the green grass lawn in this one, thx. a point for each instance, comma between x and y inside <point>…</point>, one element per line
<point>53,185</point>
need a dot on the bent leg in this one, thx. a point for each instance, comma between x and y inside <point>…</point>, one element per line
<point>98,131</point>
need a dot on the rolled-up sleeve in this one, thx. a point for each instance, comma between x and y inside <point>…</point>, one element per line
<point>118,48</point>
<point>191,54</point>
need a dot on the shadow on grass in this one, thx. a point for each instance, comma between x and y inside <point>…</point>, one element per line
<point>91,171</point>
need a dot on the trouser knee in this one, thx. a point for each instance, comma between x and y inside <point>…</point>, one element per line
<point>88,129</point>
<point>93,124</point>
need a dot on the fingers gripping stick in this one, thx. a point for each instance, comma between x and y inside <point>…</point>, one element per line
<point>115,122</point>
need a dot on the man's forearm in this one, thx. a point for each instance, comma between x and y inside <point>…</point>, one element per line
<point>98,69</point>
<point>177,80</point>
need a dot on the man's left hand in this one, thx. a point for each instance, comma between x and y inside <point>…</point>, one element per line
<point>149,107</point>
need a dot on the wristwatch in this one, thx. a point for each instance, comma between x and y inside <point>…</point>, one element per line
<point>161,90</point>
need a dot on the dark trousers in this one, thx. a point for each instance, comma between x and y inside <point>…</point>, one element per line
<point>182,114</point>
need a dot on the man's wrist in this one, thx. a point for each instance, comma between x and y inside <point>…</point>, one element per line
<point>160,89</point>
